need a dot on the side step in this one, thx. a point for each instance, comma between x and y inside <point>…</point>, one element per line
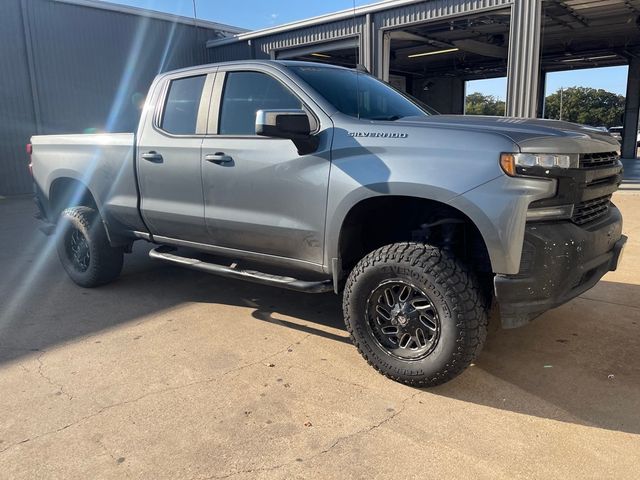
<point>165,254</point>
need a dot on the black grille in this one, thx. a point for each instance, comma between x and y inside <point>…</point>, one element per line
<point>599,160</point>
<point>590,210</point>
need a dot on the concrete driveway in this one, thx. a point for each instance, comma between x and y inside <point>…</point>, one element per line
<point>170,373</point>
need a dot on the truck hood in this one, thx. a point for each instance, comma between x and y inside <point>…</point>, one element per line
<point>531,135</point>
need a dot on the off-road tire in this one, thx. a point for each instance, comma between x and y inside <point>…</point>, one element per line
<point>104,262</point>
<point>454,294</point>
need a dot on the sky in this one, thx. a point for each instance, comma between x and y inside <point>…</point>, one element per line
<point>251,14</point>
<point>256,14</point>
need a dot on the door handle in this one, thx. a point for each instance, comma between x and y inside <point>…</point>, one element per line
<point>152,157</point>
<point>219,157</point>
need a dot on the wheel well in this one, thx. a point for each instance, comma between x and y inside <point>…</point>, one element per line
<point>68,192</point>
<point>380,221</point>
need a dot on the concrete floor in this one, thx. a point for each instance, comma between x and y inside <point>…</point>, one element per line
<point>170,373</point>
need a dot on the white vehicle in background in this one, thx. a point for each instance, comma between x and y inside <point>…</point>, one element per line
<point>617,132</point>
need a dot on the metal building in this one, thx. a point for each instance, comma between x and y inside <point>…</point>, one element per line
<point>430,48</point>
<point>72,65</point>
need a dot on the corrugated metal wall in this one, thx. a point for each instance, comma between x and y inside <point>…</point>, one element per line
<point>433,9</point>
<point>523,71</point>
<point>524,58</point>
<point>91,69</point>
<point>315,34</point>
<point>17,115</point>
<point>393,17</point>
<point>227,53</point>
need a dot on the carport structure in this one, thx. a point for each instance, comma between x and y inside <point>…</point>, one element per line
<point>430,48</point>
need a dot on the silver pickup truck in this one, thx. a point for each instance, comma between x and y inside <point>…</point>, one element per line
<point>319,178</point>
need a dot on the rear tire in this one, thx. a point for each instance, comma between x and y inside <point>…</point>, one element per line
<point>415,313</point>
<point>84,249</point>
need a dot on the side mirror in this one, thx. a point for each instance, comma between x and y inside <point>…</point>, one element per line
<point>292,124</point>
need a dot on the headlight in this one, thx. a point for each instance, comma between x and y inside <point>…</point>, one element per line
<point>520,163</point>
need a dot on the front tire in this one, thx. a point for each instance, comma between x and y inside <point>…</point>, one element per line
<point>415,313</point>
<point>84,249</point>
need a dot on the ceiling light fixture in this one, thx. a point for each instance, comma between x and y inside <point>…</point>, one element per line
<point>587,59</point>
<point>436,52</point>
<point>602,57</point>
<point>321,55</point>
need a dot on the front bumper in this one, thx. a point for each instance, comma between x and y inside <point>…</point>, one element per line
<point>560,261</point>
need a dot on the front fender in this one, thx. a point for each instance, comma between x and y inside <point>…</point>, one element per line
<point>429,162</point>
<point>341,207</point>
<point>498,209</point>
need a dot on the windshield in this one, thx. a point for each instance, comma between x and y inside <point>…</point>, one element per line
<point>376,99</point>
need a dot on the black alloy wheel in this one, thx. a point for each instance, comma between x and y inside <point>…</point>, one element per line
<point>403,320</point>
<point>78,249</point>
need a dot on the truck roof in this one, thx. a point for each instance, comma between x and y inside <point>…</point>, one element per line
<point>286,63</point>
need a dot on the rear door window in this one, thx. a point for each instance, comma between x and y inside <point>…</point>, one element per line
<point>181,107</point>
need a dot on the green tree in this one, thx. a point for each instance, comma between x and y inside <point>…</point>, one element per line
<point>479,104</point>
<point>588,106</point>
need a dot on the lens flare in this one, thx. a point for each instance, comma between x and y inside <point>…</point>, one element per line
<point>42,249</point>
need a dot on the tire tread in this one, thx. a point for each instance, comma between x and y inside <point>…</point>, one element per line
<point>106,261</point>
<point>467,305</point>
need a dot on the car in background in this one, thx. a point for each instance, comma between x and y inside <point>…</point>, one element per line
<point>618,132</point>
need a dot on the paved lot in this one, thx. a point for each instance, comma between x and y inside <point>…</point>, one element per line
<point>170,373</point>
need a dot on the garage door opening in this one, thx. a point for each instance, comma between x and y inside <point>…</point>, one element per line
<point>586,46</point>
<point>486,97</point>
<point>433,61</point>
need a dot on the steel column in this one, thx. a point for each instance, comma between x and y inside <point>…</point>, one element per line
<point>386,56</point>
<point>524,58</point>
<point>367,47</point>
<point>542,87</point>
<point>632,108</point>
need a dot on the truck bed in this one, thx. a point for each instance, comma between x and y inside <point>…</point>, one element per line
<point>102,162</point>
